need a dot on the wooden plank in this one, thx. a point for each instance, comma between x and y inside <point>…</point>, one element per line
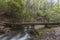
<point>29,23</point>
<point>32,23</point>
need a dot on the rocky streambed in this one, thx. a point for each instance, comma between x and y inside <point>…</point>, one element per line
<point>54,35</point>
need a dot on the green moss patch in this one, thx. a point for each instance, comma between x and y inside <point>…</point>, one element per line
<point>45,30</point>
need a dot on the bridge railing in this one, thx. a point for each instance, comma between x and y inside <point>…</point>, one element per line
<point>29,24</point>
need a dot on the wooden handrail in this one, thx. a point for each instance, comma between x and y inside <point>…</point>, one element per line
<point>29,23</point>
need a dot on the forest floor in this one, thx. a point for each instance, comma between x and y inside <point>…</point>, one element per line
<point>49,34</point>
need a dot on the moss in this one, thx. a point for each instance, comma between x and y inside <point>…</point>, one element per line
<point>45,30</point>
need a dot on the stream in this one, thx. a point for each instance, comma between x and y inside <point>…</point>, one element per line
<point>15,36</point>
<point>26,36</point>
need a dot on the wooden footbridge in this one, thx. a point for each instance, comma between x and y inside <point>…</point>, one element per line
<point>32,25</point>
<point>29,25</point>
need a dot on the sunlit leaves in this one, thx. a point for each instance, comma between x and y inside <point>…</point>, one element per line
<point>3,5</point>
<point>29,10</point>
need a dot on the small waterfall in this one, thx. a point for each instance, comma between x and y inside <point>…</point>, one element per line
<point>16,37</point>
<point>2,35</point>
<point>5,38</point>
<point>26,36</point>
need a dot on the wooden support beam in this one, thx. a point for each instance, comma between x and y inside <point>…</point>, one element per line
<point>32,27</point>
<point>29,24</point>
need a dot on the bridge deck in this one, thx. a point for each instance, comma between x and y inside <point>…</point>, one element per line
<point>30,23</point>
<point>40,23</point>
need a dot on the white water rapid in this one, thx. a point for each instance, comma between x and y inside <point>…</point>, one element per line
<point>17,37</point>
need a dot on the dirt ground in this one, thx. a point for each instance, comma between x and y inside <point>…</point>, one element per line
<point>55,35</point>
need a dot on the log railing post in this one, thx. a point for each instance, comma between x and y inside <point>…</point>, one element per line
<point>32,26</point>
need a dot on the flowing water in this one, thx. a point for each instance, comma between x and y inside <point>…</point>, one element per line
<point>15,36</point>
